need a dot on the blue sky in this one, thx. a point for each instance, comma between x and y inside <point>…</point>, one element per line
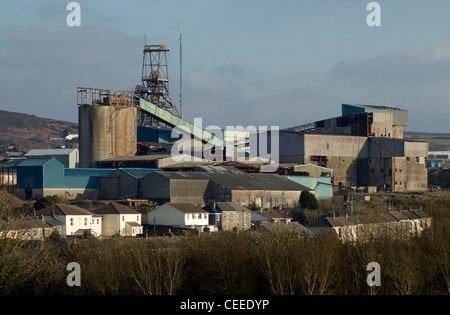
<point>246,62</point>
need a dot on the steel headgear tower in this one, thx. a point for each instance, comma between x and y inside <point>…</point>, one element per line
<point>155,79</point>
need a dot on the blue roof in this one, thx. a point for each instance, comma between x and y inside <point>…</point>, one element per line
<point>87,171</point>
<point>256,216</point>
<point>139,172</point>
<point>34,162</point>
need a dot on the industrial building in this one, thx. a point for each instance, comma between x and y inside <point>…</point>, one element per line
<point>68,157</point>
<point>126,141</point>
<point>122,183</point>
<point>316,178</point>
<point>221,184</point>
<point>438,158</point>
<point>362,150</point>
<point>47,177</point>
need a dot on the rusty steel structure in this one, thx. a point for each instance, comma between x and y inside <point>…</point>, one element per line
<point>155,82</point>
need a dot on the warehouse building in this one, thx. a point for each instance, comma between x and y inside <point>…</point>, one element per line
<point>314,177</point>
<point>68,157</point>
<point>221,184</point>
<point>122,183</point>
<point>46,177</point>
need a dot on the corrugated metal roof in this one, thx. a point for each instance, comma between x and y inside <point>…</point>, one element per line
<point>48,152</point>
<point>100,172</point>
<point>34,162</point>
<point>238,180</point>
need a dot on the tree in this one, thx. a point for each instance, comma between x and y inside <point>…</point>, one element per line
<point>253,206</point>
<point>308,201</point>
<point>48,201</point>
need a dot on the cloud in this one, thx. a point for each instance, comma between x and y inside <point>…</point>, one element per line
<point>233,95</point>
<point>416,80</point>
<point>43,65</point>
<point>426,66</point>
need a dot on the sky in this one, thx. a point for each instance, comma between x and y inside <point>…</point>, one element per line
<point>245,62</point>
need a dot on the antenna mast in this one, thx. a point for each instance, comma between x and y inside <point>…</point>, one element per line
<point>181,72</point>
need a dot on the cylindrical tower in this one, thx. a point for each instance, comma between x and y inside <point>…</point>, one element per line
<point>106,130</point>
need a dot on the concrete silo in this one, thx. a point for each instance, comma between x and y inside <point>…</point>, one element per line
<point>107,126</point>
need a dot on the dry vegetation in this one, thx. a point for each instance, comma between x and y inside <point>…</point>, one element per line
<point>274,263</point>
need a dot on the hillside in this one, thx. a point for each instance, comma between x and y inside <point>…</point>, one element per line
<point>437,141</point>
<point>24,131</point>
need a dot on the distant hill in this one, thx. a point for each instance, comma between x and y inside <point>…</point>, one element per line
<point>436,141</point>
<point>24,131</point>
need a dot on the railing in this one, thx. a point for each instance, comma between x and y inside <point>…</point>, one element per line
<point>92,96</point>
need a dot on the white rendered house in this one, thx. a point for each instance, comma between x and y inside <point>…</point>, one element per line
<point>181,215</point>
<point>76,221</point>
<point>119,220</point>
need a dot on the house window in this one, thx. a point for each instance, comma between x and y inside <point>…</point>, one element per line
<point>85,221</point>
<point>407,159</point>
<point>123,218</point>
<point>417,159</point>
<point>137,218</point>
<point>98,221</point>
<point>71,221</point>
<point>193,216</point>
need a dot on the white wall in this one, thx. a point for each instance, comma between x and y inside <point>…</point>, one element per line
<point>77,222</point>
<point>169,215</point>
<point>127,218</point>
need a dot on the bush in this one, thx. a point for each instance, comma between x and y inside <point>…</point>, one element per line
<point>48,201</point>
<point>308,201</point>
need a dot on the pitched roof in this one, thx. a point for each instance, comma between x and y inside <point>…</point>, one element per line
<point>230,206</point>
<point>46,152</point>
<point>393,216</point>
<point>23,224</point>
<point>187,207</point>
<point>34,162</point>
<point>290,227</point>
<point>61,209</point>
<point>274,214</point>
<point>238,180</point>
<point>114,208</point>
